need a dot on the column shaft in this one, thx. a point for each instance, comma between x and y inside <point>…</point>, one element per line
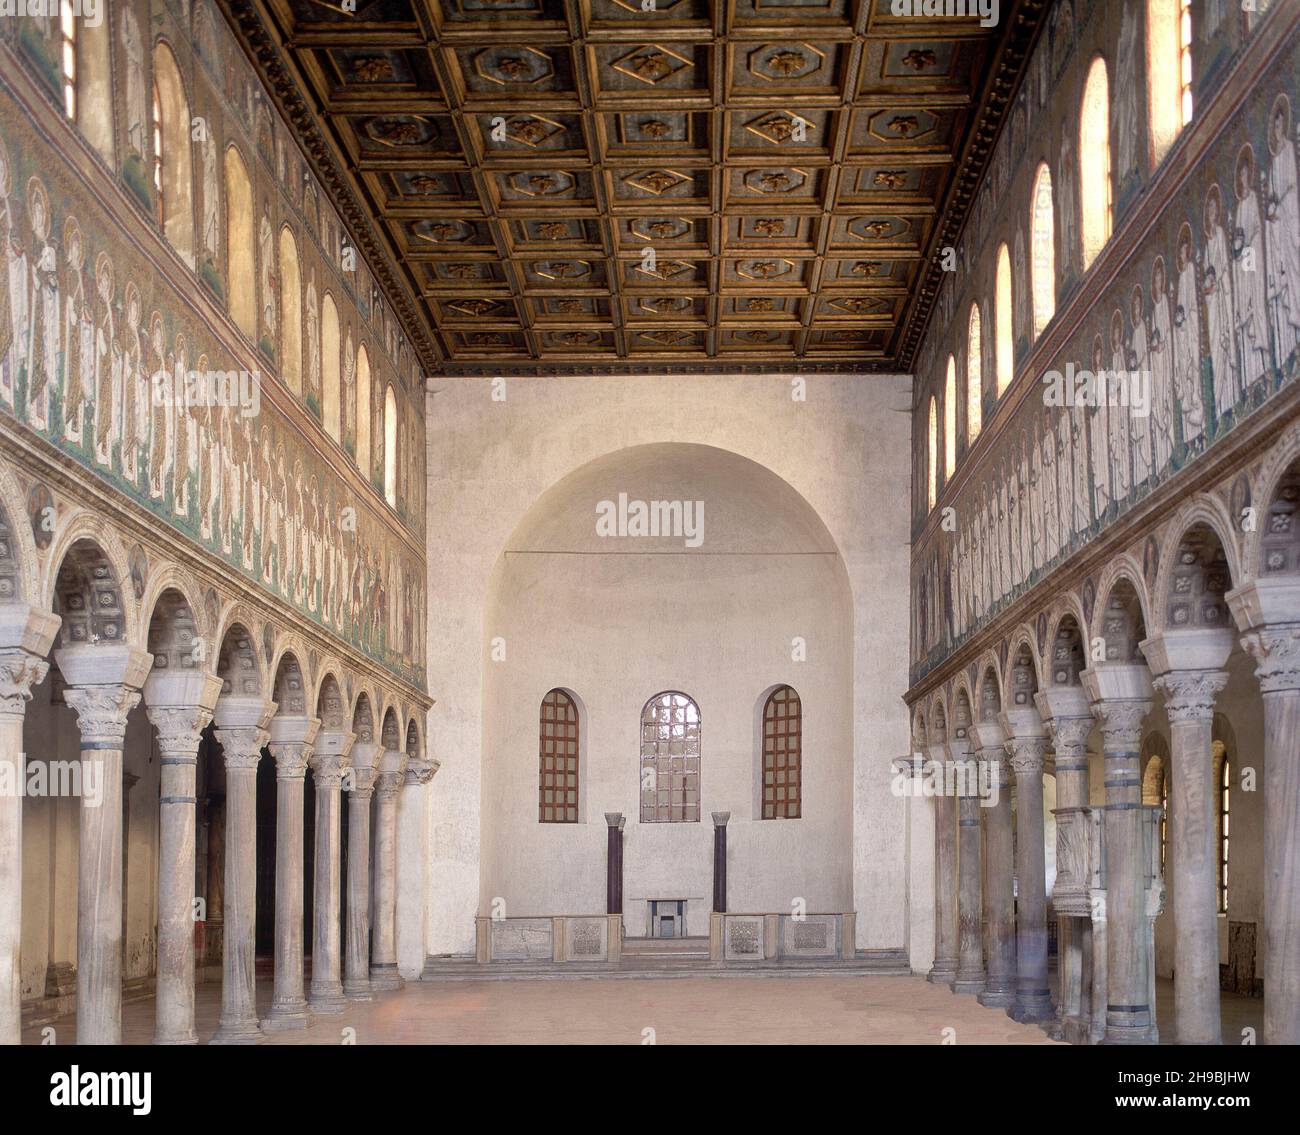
<point>1033,996</point>
<point>999,900</point>
<point>1282,866</point>
<point>288,1005</point>
<point>356,971</point>
<point>944,970</point>
<point>326,988</point>
<point>383,965</point>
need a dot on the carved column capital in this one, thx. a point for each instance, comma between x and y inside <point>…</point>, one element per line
<point>1069,738</point>
<point>329,768</point>
<point>102,711</point>
<point>242,745</point>
<point>421,770</point>
<point>180,727</point>
<point>291,759</point>
<point>1276,651</point>
<point>1190,694</point>
<point>387,785</point>
<point>363,782</point>
<point>1026,755</point>
<point>1120,721</point>
<point>20,673</point>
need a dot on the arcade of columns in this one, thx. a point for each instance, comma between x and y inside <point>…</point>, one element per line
<point>252,709</point>
<point>1013,705</point>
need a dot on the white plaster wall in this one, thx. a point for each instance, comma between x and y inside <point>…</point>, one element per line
<point>844,450</point>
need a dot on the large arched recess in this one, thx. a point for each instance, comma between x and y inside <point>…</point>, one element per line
<point>764,598</point>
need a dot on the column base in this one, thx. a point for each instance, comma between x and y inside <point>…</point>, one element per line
<point>1032,1009</point>
<point>968,983</point>
<point>287,1016</point>
<point>328,1000</point>
<point>180,1038</point>
<point>943,972</point>
<point>385,977</point>
<point>1129,1025</point>
<point>997,994</point>
<point>358,989</point>
<point>239,1032</point>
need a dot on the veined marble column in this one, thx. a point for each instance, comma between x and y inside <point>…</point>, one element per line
<point>242,730</point>
<point>1269,609</point>
<point>383,961</point>
<point>1065,713</point>
<point>291,744</point>
<point>1114,690</point>
<point>1026,744</point>
<point>412,860</point>
<point>102,706</point>
<point>970,929</point>
<point>356,963</point>
<point>26,636</point>
<point>180,729</point>
<point>944,970</point>
<point>329,764</point>
<point>998,871</point>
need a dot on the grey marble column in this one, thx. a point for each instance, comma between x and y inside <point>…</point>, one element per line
<point>356,963</point>
<point>383,962</point>
<point>1194,860</point>
<point>242,745</point>
<point>998,871</point>
<point>1033,994</point>
<point>970,928</point>
<point>291,745</point>
<point>1130,1016</point>
<point>329,765</point>
<point>180,730</point>
<point>21,671</point>
<point>944,970</point>
<point>1274,644</point>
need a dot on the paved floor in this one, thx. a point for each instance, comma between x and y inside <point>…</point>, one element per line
<point>693,1010</point>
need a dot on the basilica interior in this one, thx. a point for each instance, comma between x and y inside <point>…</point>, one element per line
<point>844,455</point>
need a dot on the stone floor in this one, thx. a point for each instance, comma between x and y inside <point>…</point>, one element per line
<point>688,1010</point>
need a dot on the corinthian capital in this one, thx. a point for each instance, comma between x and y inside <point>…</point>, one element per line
<point>180,728</point>
<point>102,711</point>
<point>388,784</point>
<point>1120,721</point>
<point>290,759</point>
<point>20,672</point>
<point>1026,755</point>
<point>242,745</point>
<point>1069,736</point>
<point>1190,694</point>
<point>328,768</point>
<point>420,770</point>
<point>1276,651</point>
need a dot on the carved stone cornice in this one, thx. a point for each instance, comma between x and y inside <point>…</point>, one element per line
<point>20,673</point>
<point>180,728</point>
<point>1026,755</point>
<point>1276,651</point>
<point>421,770</point>
<point>1120,722</point>
<point>1190,694</point>
<point>242,745</point>
<point>102,711</point>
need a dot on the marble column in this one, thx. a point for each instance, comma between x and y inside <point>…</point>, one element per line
<point>1026,744</point>
<point>242,731</point>
<point>998,869</point>
<point>383,962</point>
<point>970,928</point>
<point>1120,697</point>
<point>412,864</point>
<point>102,707</point>
<point>944,970</point>
<point>1068,720</point>
<point>291,742</point>
<point>179,707</point>
<point>25,639</point>
<point>356,963</point>
<point>329,765</point>
<point>1269,611</point>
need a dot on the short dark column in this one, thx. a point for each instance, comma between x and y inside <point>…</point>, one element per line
<point>720,861</point>
<point>614,864</point>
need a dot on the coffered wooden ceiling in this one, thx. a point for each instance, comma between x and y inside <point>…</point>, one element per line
<point>585,184</point>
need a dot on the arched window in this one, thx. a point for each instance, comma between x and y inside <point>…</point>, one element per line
<point>1042,268</point>
<point>950,420</point>
<point>1094,161</point>
<point>557,759</point>
<point>329,365</point>
<point>240,265</point>
<point>92,79</point>
<point>1185,60</point>
<point>932,455</point>
<point>782,755</point>
<point>974,387</point>
<point>1004,334</point>
<point>1169,71</point>
<point>68,56</point>
<point>173,174</point>
<point>390,447</point>
<point>1223,772</point>
<point>670,759</point>
<point>364,413</point>
<point>290,312</point>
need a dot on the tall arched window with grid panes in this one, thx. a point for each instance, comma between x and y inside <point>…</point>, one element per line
<point>365,412</point>
<point>1003,332</point>
<point>68,56</point>
<point>932,455</point>
<point>558,759</point>
<point>173,158</point>
<point>670,759</point>
<point>1094,161</point>
<point>950,420</point>
<point>330,366</point>
<point>782,755</point>
<point>1042,259</point>
<point>974,383</point>
<point>1169,72</point>
<point>391,454</point>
